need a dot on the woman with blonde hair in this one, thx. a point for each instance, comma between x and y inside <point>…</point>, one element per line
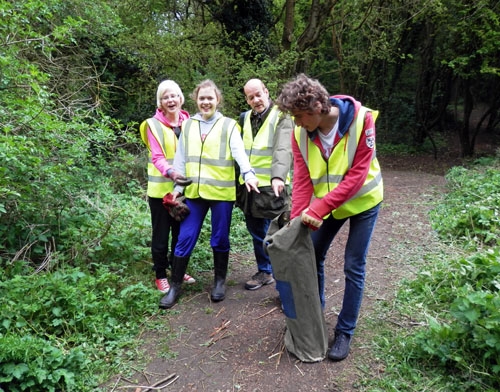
<point>160,134</point>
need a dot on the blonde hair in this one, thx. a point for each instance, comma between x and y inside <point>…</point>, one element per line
<point>168,85</point>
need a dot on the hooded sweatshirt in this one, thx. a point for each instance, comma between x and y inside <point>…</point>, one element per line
<point>353,179</point>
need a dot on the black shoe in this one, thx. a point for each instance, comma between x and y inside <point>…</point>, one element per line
<point>340,347</point>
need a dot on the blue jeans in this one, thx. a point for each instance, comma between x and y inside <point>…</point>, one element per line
<point>360,232</point>
<point>257,227</point>
<point>221,214</point>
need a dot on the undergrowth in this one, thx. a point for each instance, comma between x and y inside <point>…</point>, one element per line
<point>70,324</point>
<point>62,331</point>
<point>447,337</point>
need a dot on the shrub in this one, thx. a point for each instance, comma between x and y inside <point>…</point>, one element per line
<point>29,363</point>
<point>462,297</point>
<point>470,211</point>
<point>58,318</point>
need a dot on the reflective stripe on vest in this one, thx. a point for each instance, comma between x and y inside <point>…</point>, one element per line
<point>158,185</point>
<point>209,163</point>
<point>260,148</point>
<point>326,175</point>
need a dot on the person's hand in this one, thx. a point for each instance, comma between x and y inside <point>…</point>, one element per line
<point>311,219</point>
<point>175,195</point>
<point>175,206</point>
<point>179,179</point>
<point>278,185</point>
<point>252,184</point>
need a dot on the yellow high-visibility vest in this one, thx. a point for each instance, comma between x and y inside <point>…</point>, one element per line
<point>260,148</point>
<point>209,162</point>
<point>158,185</point>
<point>326,175</point>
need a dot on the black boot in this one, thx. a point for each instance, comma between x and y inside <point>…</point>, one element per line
<point>179,266</point>
<point>170,298</point>
<point>221,260</point>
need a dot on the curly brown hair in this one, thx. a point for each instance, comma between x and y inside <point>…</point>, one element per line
<point>302,93</point>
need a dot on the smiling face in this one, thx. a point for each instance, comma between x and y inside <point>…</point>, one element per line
<point>256,95</point>
<point>170,102</point>
<point>207,102</point>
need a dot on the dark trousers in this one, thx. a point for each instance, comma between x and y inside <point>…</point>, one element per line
<point>164,229</point>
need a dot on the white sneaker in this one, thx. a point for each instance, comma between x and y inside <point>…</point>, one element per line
<point>189,279</point>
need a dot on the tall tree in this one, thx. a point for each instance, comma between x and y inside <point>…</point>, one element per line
<point>310,38</point>
<point>247,22</point>
<point>288,25</point>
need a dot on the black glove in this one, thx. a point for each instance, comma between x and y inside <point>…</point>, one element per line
<point>179,179</point>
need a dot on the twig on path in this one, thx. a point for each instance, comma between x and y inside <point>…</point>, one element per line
<point>143,374</point>
<point>301,372</point>
<point>155,387</point>
<point>220,354</point>
<point>193,297</point>
<point>335,293</point>
<point>281,344</point>
<point>220,311</point>
<point>265,314</point>
<point>116,383</point>
<point>203,370</point>
<point>222,331</point>
<point>223,326</point>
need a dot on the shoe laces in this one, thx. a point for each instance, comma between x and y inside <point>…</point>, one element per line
<point>162,284</point>
<point>188,279</point>
<point>340,339</point>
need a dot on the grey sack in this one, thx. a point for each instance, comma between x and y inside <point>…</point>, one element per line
<point>291,251</point>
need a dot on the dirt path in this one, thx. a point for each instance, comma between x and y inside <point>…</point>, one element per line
<point>237,344</point>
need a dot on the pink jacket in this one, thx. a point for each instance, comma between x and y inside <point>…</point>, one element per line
<point>158,158</point>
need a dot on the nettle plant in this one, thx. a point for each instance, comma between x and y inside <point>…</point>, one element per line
<point>461,295</point>
<point>54,334</point>
<point>470,212</point>
<point>463,302</point>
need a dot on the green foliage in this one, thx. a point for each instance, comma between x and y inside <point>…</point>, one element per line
<point>472,208</point>
<point>466,333</point>
<point>29,363</point>
<point>72,192</point>
<point>54,333</point>
<point>455,300</point>
<point>53,191</point>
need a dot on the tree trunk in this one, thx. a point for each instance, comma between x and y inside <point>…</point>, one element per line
<point>466,147</point>
<point>337,49</point>
<point>309,38</point>
<point>423,94</point>
<point>287,37</point>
